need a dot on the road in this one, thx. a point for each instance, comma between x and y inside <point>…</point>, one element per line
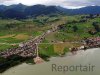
<point>27,49</point>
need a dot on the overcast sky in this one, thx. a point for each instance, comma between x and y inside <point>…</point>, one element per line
<point>64,3</point>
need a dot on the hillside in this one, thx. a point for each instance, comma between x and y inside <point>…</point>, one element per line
<point>76,28</point>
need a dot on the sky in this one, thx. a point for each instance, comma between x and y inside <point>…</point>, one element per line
<point>64,3</point>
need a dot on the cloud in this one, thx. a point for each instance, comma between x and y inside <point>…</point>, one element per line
<point>26,2</point>
<point>1,1</point>
<point>7,2</point>
<point>64,3</point>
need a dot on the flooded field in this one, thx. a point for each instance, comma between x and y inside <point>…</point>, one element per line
<point>59,65</point>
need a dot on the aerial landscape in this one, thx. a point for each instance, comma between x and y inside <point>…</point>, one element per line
<point>43,37</point>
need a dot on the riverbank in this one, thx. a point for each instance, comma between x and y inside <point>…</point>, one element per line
<point>89,56</point>
<point>12,61</point>
<point>45,53</point>
<point>46,50</point>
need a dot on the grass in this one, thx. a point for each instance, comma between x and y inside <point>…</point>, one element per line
<point>4,47</point>
<point>10,40</point>
<point>59,48</point>
<point>21,30</point>
<point>21,37</point>
<point>47,50</point>
<point>67,34</point>
<point>56,48</point>
<point>16,31</point>
<point>6,36</point>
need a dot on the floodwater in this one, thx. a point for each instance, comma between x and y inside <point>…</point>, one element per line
<point>89,58</point>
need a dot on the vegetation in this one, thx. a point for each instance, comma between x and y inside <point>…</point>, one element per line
<point>70,29</point>
<point>12,61</point>
<point>77,29</point>
<point>16,31</point>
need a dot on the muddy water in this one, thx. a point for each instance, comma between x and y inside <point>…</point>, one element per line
<point>87,58</point>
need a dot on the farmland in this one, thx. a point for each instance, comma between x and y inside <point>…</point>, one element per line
<point>74,28</point>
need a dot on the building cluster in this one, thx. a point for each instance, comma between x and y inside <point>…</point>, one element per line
<point>25,49</point>
<point>93,42</point>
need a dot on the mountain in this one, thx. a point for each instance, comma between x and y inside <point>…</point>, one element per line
<point>20,11</point>
<point>18,7</point>
<point>88,10</point>
<point>13,11</point>
<point>41,9</point>
<point>2,8</point>
<point>13,14</point>
<point>84,10</point>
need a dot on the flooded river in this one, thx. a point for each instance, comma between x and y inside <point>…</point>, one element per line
<point>59,65</point>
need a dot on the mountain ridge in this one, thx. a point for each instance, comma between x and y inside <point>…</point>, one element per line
<point>20,11</point>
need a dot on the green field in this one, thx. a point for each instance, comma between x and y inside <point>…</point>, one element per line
<point>16,31</point>
<point>71,29</point>
<point>74,28</point>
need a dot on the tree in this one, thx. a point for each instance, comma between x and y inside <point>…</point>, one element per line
<point>96,26</point>
<point>75,28</point>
